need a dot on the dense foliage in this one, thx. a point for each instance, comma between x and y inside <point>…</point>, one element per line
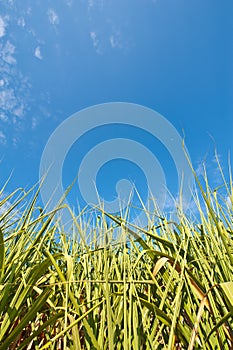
<point>166,286</point>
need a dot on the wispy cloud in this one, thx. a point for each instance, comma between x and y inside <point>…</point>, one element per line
<point>16,95</point>
<point>90,4</point>
<point>69,2</point>
<point>3,25</point>
<point>7,51</point>
<point>21,22</point>
<point>3,139</point>
<point>101,43</point>
<point>113,31</point>
<point>115,41</point>
<point>34,123</point>
<point>37,53</point>
<point>172,203</point>
<point>53,17</point>
<point>13,90</point>
<point>4,118</point>
<point>7,99</point>
<point>209,166</point>
<point>96,42</point>
<point>11,104</point>
<point>15,213</point>
<point>200,169</point>
<point>95,3</point>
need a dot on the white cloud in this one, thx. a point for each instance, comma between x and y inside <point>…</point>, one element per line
<point>95,42</point>
<point>115,41</point>
<point>3,139</point>
<point>4,118</point>
<point>7,100</point>
<point>16,98</point>
<point>6,53</point>
<point>16,213</point>
<point>3,26</point>
<point>37,53</point>
<point>19,111</point>
<point>90,4</point>
<point>111,29</point>
<point>69,2</point>
<point>34,122</point>
<point>53,17</point>
<point>28,11</point>
<point>21,22</point>
<point>93,37</point>
<point>10,2</point>
<point>95,3</point>
<point>14,88</point>
<point>200,169</point>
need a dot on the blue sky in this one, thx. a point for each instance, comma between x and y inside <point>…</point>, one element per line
<point>58,57</point>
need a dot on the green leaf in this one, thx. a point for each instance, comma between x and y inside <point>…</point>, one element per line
<point>49,323</point>
<point>220,323</point>
<point>2,255</point>
<point>227,288</point>
<point>37,305</point>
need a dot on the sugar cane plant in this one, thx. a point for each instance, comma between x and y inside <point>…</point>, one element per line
<point>166,286</point>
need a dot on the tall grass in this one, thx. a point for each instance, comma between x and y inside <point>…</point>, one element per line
<point>169,286</point>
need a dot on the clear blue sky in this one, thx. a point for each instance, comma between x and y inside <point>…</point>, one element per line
<point>58,57</point>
